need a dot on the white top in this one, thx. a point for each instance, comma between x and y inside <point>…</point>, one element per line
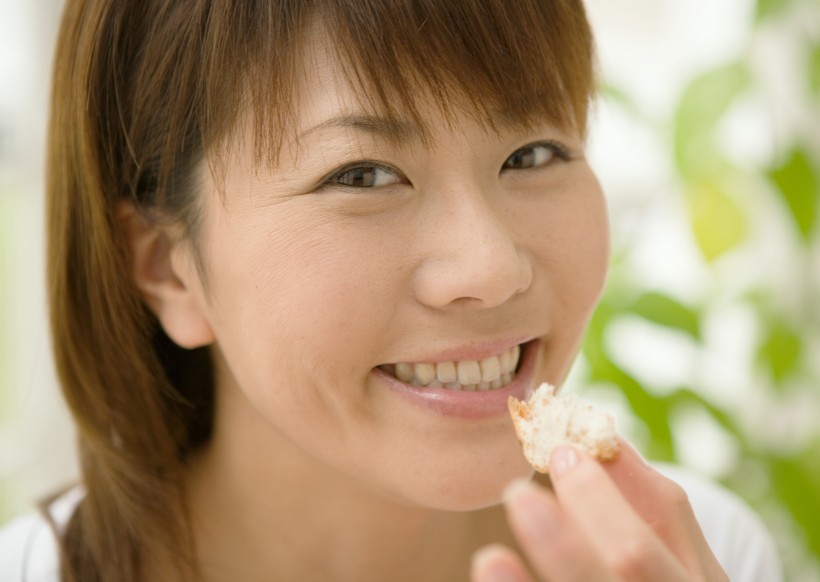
<point>28,552</point>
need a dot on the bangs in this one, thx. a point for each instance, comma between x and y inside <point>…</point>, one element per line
<point>523,62</point>
<point>173,81</point>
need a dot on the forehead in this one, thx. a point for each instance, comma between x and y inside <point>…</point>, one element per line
<point>402,79</point>
<point>330,94</point>
<point>327,96</point>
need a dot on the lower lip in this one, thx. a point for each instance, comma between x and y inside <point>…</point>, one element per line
<point>470,404</point>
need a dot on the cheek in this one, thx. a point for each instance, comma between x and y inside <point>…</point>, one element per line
<point>583,265</point>
<point>570,246</point>
<point>569,237</point>
<point>301,301</point>
<point>587,249</point>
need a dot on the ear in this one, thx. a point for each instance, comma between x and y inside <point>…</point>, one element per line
<point>176,298</point>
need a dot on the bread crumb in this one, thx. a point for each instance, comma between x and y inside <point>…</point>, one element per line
<point>547,420</point>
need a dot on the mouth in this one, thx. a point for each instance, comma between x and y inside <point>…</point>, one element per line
<point>492,373</point>
<point>461,390</point>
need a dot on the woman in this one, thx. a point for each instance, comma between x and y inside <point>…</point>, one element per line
<point>301,253</point>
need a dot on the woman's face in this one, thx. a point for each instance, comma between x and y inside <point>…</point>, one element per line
<point>366,262</point>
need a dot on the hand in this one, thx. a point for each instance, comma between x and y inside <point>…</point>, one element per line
<point>618,521</point>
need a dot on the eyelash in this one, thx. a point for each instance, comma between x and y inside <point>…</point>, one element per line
<point>560,151</point>
<point>335,177</point>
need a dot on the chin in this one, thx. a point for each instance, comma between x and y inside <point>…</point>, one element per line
<point>468,490</point>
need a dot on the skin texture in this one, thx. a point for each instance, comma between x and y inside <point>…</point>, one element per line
<point>316,469</point>
<point>618,521</point>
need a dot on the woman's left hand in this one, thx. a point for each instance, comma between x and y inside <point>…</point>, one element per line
<point>618,521</point>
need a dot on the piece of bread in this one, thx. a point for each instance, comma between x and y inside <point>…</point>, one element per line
<point>547,420</point>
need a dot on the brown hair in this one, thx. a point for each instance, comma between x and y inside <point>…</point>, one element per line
<point>146,89</point>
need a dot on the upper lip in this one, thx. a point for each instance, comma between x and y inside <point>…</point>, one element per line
<point>476,350</point>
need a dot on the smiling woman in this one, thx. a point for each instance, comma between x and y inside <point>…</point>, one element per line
<point>300,256</point>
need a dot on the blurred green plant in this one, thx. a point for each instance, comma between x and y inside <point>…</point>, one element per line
<point>721,223</point>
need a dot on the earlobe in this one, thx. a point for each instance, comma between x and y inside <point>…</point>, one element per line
<point>173,295</point>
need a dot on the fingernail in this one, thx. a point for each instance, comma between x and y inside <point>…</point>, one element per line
<point>515,488</point>
<point>488,566</point>
<point>563,459</point>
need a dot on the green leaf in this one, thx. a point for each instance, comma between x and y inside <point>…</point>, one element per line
<point>796,181</point>
<point>652,411</point>
<point>814,71</point>
<point>796,483</point>
<point>686,396</point>
<point>768,8</point>
<point>718,223</point>
<point>668,312</point>
<point>703,104</point>
<point>780,351</point>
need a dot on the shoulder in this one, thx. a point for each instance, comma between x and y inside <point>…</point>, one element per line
<point>28,547</point>
<point>735,534</point>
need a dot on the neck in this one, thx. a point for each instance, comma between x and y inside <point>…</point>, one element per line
<point>270,512</point>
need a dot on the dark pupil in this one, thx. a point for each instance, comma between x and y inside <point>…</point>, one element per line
<point>521,159</point>
<point>359,177</point>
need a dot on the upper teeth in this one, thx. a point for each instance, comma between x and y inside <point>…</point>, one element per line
<point>492,372</point>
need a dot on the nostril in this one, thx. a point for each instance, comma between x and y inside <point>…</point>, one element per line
<point>466,301</point>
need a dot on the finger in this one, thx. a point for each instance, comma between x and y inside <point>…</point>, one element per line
<point>640,484</point>
<point>496,563</point>
<point>649,493</point>
<point>554,546</point>
<point>590,498</point>
<point>664,506</point>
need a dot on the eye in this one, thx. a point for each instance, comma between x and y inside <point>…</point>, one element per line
<point>535,155</point>
<point>365,175</point>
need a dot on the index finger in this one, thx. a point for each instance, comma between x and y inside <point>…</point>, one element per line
<point>624,539</point>
<point>637,481</point>
<point>662,504</point>
<point>659,502</point>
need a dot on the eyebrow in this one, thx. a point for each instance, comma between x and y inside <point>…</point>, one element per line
<point>391,130</point>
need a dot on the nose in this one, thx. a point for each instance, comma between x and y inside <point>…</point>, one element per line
<point>472,258</point>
